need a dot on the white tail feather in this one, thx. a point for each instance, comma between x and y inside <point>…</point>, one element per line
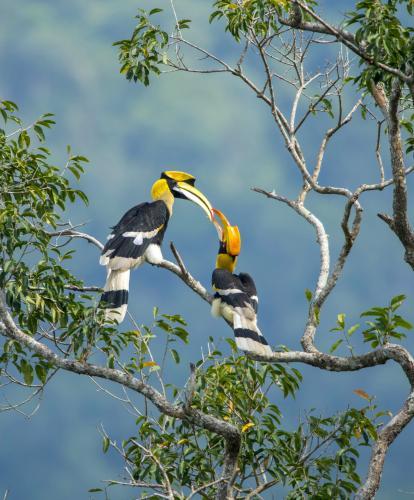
<point>245,343</point>
<point>117,281</point>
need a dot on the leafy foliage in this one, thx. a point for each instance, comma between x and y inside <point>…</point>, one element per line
<point>33,194</point>
<point>346,334</point>
<point>383,37</point>
<point>143,52</point>
<point>383,327</point>
<point>385,323</point>
<point>318,458</point>
<point>253,16</point>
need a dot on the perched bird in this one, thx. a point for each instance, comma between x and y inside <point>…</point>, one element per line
<point>138,236</point>
<point>235,296</point>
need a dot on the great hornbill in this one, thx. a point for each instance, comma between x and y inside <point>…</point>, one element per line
<point>138,236</point>
<point>235,295</point>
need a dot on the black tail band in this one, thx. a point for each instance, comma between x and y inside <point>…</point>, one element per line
<point>249,334</point>
<point>113,299</point>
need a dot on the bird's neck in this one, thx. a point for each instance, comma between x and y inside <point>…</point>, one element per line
<point>161,191</point>
<point>168,199</point>
<point>226,261</point>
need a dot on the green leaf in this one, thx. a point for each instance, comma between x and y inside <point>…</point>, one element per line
<point>175,356</point>
<point>335,346</point>
<point>397,301</point>
<point>399,321</point>
<point>341,320</point>
<point>184,23</point>
<point>41,373</point>
<point>353,329</point>
<point>105,444</point>
<point>27,371</point>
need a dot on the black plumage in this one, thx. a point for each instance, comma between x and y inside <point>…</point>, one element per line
<point>144,218</point>
<point>138,236</point>
<point>135,238</point>
<point>235,295</point>
<point>235,298</point>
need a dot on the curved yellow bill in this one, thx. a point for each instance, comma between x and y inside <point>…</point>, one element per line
<point>179,176</point>
<point>228,233</point>
<point>233,243</point>
<point>193,194</point>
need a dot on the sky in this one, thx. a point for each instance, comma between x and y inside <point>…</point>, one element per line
<point>58,57</point>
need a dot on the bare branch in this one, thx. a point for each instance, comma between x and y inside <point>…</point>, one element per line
<point>322,237</point>
<point>230,470</point>
<point>167,482</point>
<point>378,151</point>
<point>190,387</point>
<point>185,276</point>
<point>76,234</point>
<point>190,415</point>
<point>312,107</point>
<point>75,288</point>
<point>205,486</point>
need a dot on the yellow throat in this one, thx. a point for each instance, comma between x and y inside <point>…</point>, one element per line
<point>161,191</point>
<point>226,261</point>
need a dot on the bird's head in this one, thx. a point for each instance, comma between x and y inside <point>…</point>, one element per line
<point>174,184</point>
<point>230,242</point>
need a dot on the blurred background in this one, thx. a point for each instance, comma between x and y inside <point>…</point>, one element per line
<point>57,56</point>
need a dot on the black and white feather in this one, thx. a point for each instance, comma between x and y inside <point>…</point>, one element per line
<point>235,299</point>
<point>135,239</point>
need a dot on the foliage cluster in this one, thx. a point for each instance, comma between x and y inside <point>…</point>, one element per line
<point>318,459</point>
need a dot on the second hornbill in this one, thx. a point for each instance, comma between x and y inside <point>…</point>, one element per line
<point>235,295</point>
<point>138,236</point>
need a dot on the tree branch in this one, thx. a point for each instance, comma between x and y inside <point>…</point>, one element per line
<point>182,272</point>
<point>399,223</point>
<point>343,36</point>
<point>124,378</point>
<point>385,438</point>
<point>76,234</point>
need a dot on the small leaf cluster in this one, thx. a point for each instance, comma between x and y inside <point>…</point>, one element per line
<point>142,54</point>
<point>324,453</point>
<point>346,333</point>
<point>407,126</point>
<point>250,16</point>
<point>140,361</point>
<point>383,38</point>
<point>385,323</point>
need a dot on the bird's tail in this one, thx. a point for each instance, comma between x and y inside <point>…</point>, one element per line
<point>248,336</point>
<point>114,300</point>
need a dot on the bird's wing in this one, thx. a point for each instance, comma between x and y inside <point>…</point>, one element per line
<point>131,236</point>
<point>230,290</point>
<point>249,287</point>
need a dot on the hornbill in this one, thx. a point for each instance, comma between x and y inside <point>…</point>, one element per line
<point>138,236</point>
<point>235,296</point>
